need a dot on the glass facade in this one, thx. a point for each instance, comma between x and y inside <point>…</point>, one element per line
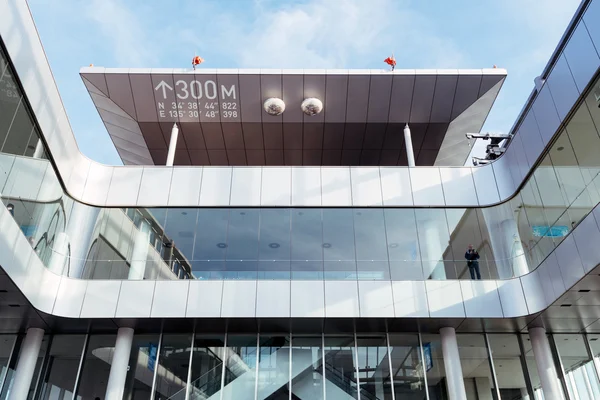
<point>512,238</point>
<point>282,367</point>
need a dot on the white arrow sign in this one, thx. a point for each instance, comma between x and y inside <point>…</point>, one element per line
<point>163,85</point>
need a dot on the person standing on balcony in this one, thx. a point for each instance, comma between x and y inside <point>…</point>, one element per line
<point>472,257</point>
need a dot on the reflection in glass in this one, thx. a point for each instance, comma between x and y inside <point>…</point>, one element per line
<point>373,367</point>
<point>210,243</point>
<point>338,244</point>
<point>506,354</point>
<point>173,364</point>
<point>371,245</point>
<point>307,367</point>
<point>207,366</point>
<point>433,239</point>
<point>307,244</point>
<point>474,361</point>
<point>96,367</point>
<point>403,245</point>
<point>274,250</point>
<point>142,364</point>
<point>63,364</point>
<point>273,368</point>
<point>580,375</point>
<point>242,244</point>
<point>436,373</point>
<point>240,363</point>
<point>340,368</point>
<point>407,367</point>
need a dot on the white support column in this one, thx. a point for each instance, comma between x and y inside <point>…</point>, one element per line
<point>39,149</point>
<point>545,364</point>
<point>119,365</point>
<point>410,155</point>
<point>454,375</point>
<point>80,232</point>
<point>172,145</point>
<point>28,356</point>
<point>139,255</point>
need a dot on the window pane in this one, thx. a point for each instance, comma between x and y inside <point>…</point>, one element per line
<point>274,368</point>
<point>433,240</point>
<point>436,373</point>
<point>338,244</point>
<point>403,246</point>
<point>142,363</point>
<point>180,228</point>
<point>307,242</point>
<point>173,364</point>
<point>373,367</point>
<point>19,133</point>
<point>340,371</point>
<point>240,362</point>
<point>371,244</point>
<point>96,367</point>
<point>9,98</point>
<point>475,365</point>
<point>210,243</point>
<point>242,244</point>
<point>274,250</point>
<point>207,366</point>
<point>407,367</point>
<point>506,354</point>
<point>307,368</point>
<point>575,360</point>
<point>65,355</point>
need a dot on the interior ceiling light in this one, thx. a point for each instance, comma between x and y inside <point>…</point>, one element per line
<point>312,106</point>
<point>274,106</point>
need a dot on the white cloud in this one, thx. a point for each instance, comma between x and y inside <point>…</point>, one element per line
<point>131,42</point>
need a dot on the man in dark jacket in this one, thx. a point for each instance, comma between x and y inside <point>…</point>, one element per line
<point>472,257</point>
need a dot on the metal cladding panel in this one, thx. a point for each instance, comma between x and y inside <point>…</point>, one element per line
<point>314,86</point>
<point>164,99</point>
<point>229,98</point>
<point>335,98</point>
<point>379,98</point>
<point>374,136</point>
<point>192,134</point>
<point>467,91</point>
<point>293,95</point>
<point>253,135</point>
<point>233,135</point>
<point>422,98</point>
<point>188,101</point>
<point>271,86</point>
<point>445,88</point>
<point>99,81</point>
<point>401,98</point>
<point>119,90</point>
<point>213,136</point>
<point>333,135</point>
<point>236,157</point>
<point>488,82</point>
<point>250,98</point>
<point>354,135</point>
<point>142,89</point>
<point>312,136</point>
<point>562,86</point>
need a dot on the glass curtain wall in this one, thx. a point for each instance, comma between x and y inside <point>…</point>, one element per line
<point>280,367</point>
<point>308,243</point>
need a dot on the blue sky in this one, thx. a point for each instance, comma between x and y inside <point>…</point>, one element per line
<point>518,35</point>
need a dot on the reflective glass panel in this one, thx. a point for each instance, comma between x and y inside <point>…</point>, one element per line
<point>142,364</point>
<point>403,244</point>
<point>373,367</point>
<point>506,354</point>
<point>475,364</point>
<point>407,366</point>
<point>338,244</point>
<point>340,368</point>
<point>580,376</point>
<point>240,363</point>
<point>307,244</point>
<point>307,368</point>
<point>96,367</point>
<point>65,356</point>
<point>433,240</point>
<point>371,244</point>
<point>274,249</point>
<point>273,368</point>
<point>242,244</point>
<point>173,364</point>
<point>207,366</point>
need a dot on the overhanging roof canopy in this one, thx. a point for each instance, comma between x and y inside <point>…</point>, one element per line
<point>222,121</point>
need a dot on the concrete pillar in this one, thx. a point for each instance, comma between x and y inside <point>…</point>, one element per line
<point>505,240</point>
<point>80,229</point>
<point>410,155</point>
<point>139,255</point>
<point>434,252</point>
<point>119,365</point>
<point>454,375</point>
<point>39,149</point>
<point>545,364</point>
<point>172,146</point>
<point>28,357</point>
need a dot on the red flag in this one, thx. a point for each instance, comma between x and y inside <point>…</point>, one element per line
<point>390,61</point>
<point>197,60</point>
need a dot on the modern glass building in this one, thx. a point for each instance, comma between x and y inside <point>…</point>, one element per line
<point>300,234</point>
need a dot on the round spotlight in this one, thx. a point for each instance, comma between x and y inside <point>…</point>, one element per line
<point>274,106</point>
<point>312,106</point>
